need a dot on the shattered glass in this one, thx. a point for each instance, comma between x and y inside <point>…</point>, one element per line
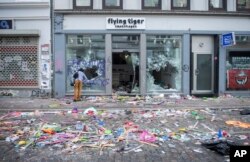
<point>163,63</point>
<point>86,52</point>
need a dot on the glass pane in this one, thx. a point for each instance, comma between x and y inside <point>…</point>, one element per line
<point>112,2</point>
<point>216,3</point>
<point>151,3</point>
<point>204,73</point>
<point>243,4</point>
<point>83,2</point>
<point>87,52</point>
<point>163,63</point>
<point>180,3</point>
<point>238,70</point>
<point>125,42</point>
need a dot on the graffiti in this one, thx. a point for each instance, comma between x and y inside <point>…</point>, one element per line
<point>58,67</point>
<point>94,71</point>
<point>5,93</point>
<point>40,93</point>
<point>99,64</point>
<point>100,82</point>
<point>185,68</point>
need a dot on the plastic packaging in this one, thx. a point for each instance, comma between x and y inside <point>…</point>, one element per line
<point>74,110</point>
<point>79,125</point>
<point>52,127</point>
<point>146,137</point>
<point>220,135</point>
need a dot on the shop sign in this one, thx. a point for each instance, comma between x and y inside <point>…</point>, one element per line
<point>238,79</point>
<point>6,24</point>
<point>125,23</point>
<point>228,39</point>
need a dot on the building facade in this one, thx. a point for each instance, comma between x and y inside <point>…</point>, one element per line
<point>25,55</point>
<point>144,47</point>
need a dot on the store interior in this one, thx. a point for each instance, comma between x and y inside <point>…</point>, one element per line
<point>125,72</point>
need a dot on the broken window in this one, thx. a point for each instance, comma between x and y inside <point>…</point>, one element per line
<point>163,63</point>
<point>87,52</point>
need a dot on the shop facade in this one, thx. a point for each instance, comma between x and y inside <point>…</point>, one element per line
<point>25,56</point>
<point>147,53</point>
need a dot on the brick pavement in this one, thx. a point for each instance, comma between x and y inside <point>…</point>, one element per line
<point>170,115</point>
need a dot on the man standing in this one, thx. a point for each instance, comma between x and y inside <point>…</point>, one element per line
<point>79,77</point>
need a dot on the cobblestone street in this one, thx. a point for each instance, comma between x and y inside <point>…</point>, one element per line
<point>89,131</point>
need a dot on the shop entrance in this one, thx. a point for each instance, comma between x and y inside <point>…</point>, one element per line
<point>202,65</point>
<point>125,72</point>
<point>125,64</point>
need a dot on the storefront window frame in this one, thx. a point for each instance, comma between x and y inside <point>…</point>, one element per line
<point>82,7</point>
<point>180,8</point>
<point>241,47</point>
<point>69,78</point>
<point>147,7</point>
<point>241,9</point>
<point>180,66</point>
<point>222,8</point>
<point>112,7</point>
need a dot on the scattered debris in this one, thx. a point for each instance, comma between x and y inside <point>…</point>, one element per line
<point>126,130</point>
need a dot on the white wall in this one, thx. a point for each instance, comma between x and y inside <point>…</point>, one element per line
<point>24,12</point>
<point>30,18</point>
<point>171,22</point>
<point>42,25</point>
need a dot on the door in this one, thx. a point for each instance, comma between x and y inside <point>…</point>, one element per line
<point>202,76</point>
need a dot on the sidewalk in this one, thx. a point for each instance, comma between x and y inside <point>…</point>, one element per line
<point>122,102</point>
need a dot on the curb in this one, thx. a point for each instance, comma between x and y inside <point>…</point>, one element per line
<point>129,108</point>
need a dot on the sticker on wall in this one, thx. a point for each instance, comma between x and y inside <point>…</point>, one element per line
<point>25,66</point>
<point>45,48</point>
<point>45,83</point>
<point>45,67</point>
<point>238,79</point>
<point>45,52</point>
<point>17,58</point>
<point>8,59</point>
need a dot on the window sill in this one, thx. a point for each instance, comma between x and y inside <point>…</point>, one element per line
<point>153,12</point>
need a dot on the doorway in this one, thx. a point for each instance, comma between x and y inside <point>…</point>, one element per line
<point>202,73</point>
<point>125,72</point>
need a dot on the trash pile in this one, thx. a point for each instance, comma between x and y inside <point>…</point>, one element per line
<point>124,131</point>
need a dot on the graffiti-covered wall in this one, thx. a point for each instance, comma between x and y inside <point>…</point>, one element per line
<point>25,55</point>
